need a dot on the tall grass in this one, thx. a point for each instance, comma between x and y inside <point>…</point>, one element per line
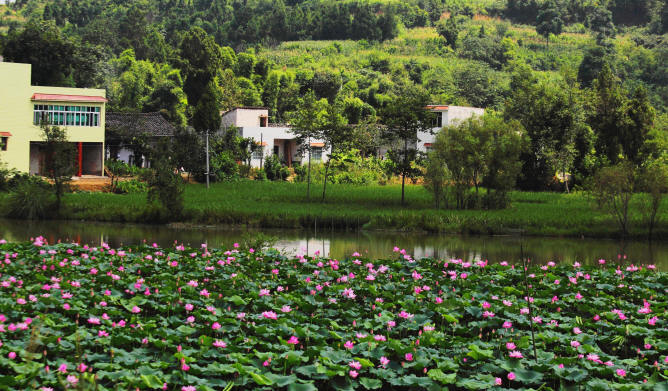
<point>349,207</point>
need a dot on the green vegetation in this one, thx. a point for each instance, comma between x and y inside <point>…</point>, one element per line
<point>349,207</point>
<point>238,318</point>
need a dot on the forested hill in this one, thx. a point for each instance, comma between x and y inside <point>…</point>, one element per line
<point>168,54</point>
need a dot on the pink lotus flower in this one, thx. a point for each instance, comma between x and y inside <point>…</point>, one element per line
<point>486,305</point>
<point>293,340</point>
<point>348,345</point>
<point>286,308</point>
<point>510,346</point>
<point>72,379</point>
<point>620,372</point>
<point>379,338</point>
<point>219,344</point>
<point>487,314</point>
<point>62,368</point>
<point>188,388</point>
<point>576,330</point>
<point>216,326</point>
<point>355,365</point>
<point>384,361</point>
<point>575,344</point>
<point>136,310</point>
<point>507,324</point>
<point>11,355</point>
<point>498,381</point>
<point>652,321</point>
<point>511,376</point>
<point>408,356</point>
<point>515,354</point>
<point>264,292</point>
<point>353,373</point>
<point>270,315</point>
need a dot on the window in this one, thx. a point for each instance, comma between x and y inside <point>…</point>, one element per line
<point>316,153</point>
<point>3,143</point>
<point>438,120</point>
<point>263,121</point>
<point>67,115</point>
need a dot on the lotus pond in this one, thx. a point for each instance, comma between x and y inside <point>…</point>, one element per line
<point>176,318</point>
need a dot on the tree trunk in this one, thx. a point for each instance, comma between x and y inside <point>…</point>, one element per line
<point>563,174</point>
<point>403,172</point>
<point>324,185</point>
<point>308,175</point>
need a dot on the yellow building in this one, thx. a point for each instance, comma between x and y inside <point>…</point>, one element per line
<point>22,106</point>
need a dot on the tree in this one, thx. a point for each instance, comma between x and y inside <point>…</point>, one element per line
<point>449,30</point>
<point>59,158</point>
<point>404,117</point>
<point>165,185</point>
<point>549,21</point>
<point>200,59</point>
<point>639,120</point>
<point>613,189</point>
<point>607,116</point>
<point>336,134</point>
<point>307,123</point>
<point>600,22</point>
<point>654,183</point>
<point>436,178</point>
<point>41,44</point>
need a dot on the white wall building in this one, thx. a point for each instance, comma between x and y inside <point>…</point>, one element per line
<point>275,139</point>
<point>445,116</point>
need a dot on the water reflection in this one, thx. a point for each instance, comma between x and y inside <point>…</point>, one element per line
<point>341,244</point>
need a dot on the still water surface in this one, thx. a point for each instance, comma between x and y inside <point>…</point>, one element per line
<point>340,244</point>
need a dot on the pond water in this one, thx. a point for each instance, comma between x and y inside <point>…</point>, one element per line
<point>340,244</point>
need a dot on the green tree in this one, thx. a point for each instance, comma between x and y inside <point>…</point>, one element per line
<point>607,115</point>
<point>449,30</point>
<point>600,22</point>
<point>436,177</point>
<point>404,116</point>
<point>639,121</point>
<point>307,123</point>
<point>613,190</point>
<point>165,185</point>
<point>549,21</point>
<point>59,158</point>
<point>41,44</point>
<point>336,134</point>
<point>201,58</point>
<point>654,183</point>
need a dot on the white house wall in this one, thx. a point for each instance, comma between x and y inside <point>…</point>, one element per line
<point>272,134</point>
<point>454,115</point>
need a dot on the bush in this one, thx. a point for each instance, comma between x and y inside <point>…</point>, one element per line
<point>131,186</point>
<point>275,170</point>
<point>613,189</point>
<point>6,175</point>
<point>31,200</point>
<point>165,185</point>
<point>224,167</point>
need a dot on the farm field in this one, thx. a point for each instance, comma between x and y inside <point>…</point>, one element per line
<point>176,318</point>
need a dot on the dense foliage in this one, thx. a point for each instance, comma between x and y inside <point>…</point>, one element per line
<point>587,80</point>
<point>199,319</point>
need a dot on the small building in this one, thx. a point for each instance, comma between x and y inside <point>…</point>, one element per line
<point>276,139</point>
<point>445,116</point>
<point>23,107</point>
<point>122,128</point>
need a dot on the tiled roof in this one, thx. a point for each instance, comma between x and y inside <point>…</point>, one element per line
<point>151,124</point>
<point>67,98</point>
<point>437,107</point>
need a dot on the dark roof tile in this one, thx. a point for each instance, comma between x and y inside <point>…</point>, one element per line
<point>151,124</point>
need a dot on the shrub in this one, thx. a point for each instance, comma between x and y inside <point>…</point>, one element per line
<point>165,184</point>
<point>31,200</point>
<point>131,186</point>
<point>275,170</point>
<point>6,175</point>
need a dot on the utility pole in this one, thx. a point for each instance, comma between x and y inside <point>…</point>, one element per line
<point>261,149</point>
<point>207,159</point>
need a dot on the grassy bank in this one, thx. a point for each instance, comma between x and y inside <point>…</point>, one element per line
<point>284,205</point>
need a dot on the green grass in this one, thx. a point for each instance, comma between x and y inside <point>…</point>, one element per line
<point>348,207</point>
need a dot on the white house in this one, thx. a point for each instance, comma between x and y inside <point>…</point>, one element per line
<point>445,116</point>
<point>276,139</point>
